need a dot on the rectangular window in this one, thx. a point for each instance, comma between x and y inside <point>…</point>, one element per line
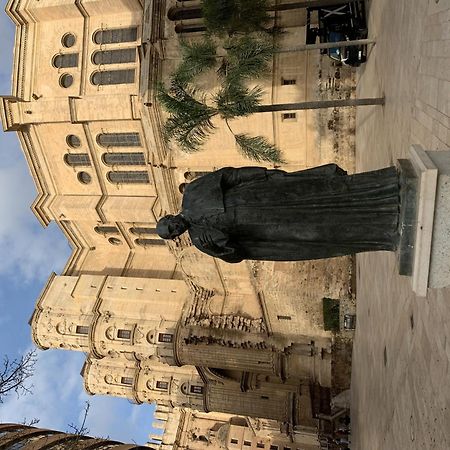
<point>287,81</point>
<point>197,389</point>
<point>286,448</point>
<point>234,441</point>
<point>289,116</point>
<point>260,445</point>
<point>82,329</point>
<point>274,447</point>
<point>163,385</point>
<point>124,334</point>
<point>127,380</point>
<point>165,337</point>
<point>247,443</point>
<point>284,317</point>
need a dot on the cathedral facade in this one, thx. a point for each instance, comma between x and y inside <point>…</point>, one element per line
<point>162,322</point>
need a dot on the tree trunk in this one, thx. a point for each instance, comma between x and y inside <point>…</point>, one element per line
<point>307,4</point>
<point>305,47</point>
<point>320,104</point>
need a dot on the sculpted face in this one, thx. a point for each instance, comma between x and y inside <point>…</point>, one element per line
<point>170,226</point>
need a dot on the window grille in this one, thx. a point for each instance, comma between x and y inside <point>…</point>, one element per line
<point>124,334</point>
<point>127,380</point>
<point>119,139</point>
<point>122,56</point>
<point>287,82</point>
<point>66,60</point>
<point>108,77</point>
<point>77,159</point>
<point>234,441</point>
<point>165,337</point>
<point>115,35</point>
<point>260,445</point>
<point>124,159</point>
<point>82,329</point>
<point>129,177</point>
<point>287,116</point>
<point>284,317</point>
<point>196,389</point>
<point>247,443</point>
<point>163,385</point>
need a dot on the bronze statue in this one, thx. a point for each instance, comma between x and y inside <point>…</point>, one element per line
<point>261,214</point>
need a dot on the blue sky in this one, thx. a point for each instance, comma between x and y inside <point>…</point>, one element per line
<point>29,253</point>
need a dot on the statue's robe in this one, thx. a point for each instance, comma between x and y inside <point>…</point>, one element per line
<point>261,214</point>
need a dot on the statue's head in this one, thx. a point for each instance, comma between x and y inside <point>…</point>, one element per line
<point>170,226</point>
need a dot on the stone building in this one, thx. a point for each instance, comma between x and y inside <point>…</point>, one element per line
<point>188,429</point>
<point>163,322</point>
<point>15,436</point>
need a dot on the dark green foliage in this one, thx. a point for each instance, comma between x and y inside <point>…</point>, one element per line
<point>234,100</point>
<point>331,314</point>
<point>232,16</point>
<point>198,57</point>
<point>190,121</point>
<point>247,58</point>
<point>258,148</point>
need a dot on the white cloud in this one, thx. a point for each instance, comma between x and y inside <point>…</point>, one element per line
<point>32,252</point>
<point>58,400</point>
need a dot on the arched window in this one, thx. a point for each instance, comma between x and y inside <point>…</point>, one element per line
<point>107,77</point>
<point>106,229</point>
<point>125,55</point>
<point>129,177</point>
<point>66,60</point>
<point>124,159</point>
<point>115,35</point>
<point>184,13</point>
<point>181,28</point>
<point>119,140</point>
<point>142,230</point>
<point>143,242</point>
<point>77,159</point>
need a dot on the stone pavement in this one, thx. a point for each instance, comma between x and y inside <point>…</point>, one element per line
<point>401,373</point>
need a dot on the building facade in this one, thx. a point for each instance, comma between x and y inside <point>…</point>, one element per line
<point>162,322</point>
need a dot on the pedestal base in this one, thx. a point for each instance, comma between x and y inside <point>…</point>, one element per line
<point>430,252</point>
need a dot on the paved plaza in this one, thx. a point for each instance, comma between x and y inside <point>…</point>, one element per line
<point>401,373</point>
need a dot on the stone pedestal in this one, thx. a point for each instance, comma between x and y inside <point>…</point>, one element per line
<point>424,251</point>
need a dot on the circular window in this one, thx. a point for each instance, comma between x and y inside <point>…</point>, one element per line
<point>109,379</point>
<point>114,241</point>
<point>68,40</point>
<point>66,80</point>
<point>84,178</point>
<point>73,141</point>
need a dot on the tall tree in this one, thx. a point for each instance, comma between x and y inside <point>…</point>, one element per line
<point>191,112</point>
<point>15,373</point>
